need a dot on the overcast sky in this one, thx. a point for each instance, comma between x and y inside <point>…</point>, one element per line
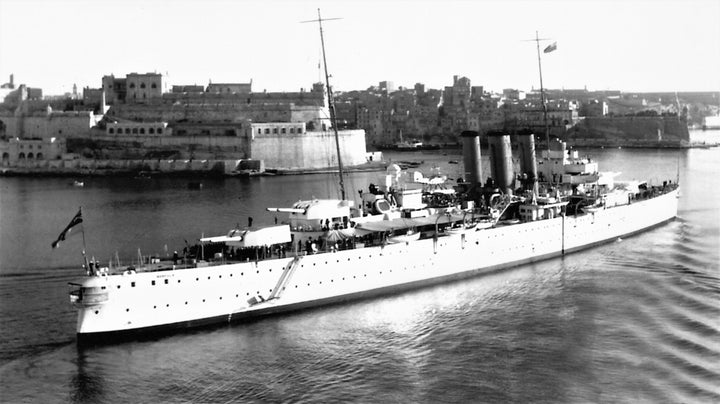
<point>631,45</point>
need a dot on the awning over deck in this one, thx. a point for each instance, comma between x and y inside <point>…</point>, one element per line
<point>253,238</point>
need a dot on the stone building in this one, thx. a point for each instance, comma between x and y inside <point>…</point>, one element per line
<point>134,88</point>
<point>19,152</point>
<point>142,87</point>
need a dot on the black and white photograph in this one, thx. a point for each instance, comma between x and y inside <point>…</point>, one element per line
<point>462,201</point>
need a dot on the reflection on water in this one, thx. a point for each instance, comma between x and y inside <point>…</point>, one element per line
<point>87,385</point>
<point>634,320</point>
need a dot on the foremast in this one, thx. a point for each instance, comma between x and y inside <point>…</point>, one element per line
<point>331,105</point>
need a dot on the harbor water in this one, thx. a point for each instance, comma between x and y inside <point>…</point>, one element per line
<point>634,320</point>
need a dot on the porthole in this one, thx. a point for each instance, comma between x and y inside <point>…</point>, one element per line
<point>97,312</point>
<point>220,297</point>
<point>154,307</point>
<point>153,283</point>
<point>167,305</point>
<point>185,302</point>
<point>203,300</point>
<point>166,281</point>
<point>237,295</point>
<point>118,286</point>
<point>132,284</point>
<point>127,309</point>
<point>219,276</point>
<point>197,279</point>
<point>178,280</point>
<point>208,277</point>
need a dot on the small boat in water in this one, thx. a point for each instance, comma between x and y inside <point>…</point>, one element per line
<point>78,183</point>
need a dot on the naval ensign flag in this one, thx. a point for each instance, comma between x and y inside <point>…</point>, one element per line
<point>77,219</point>
<point>550,48</point>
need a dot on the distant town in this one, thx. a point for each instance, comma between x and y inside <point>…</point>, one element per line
<point>140,118</point>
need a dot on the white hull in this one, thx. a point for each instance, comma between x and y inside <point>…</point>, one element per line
<point>220,293</point>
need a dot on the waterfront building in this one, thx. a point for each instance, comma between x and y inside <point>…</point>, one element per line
<point>30,152</point>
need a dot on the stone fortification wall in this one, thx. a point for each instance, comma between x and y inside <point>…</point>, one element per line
<point>137,147</point>
<point>159,166</point>
<point>305,98</point>
<point>45,126</point>
<point>631,131</point>
<point>309,150</point>
<point>209,112</point>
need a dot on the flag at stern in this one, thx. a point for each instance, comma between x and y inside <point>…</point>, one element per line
<point>76,220</point>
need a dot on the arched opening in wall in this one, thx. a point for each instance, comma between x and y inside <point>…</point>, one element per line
<point>21,156</point>
<point>30,156</point>
<point>142,85</point>
<point>39,156</point>
<point>2,128</point>
<point>5,159</point>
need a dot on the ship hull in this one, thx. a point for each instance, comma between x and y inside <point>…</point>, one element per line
<point>165,301</point>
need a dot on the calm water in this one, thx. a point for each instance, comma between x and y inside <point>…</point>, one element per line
<point>635,320</point>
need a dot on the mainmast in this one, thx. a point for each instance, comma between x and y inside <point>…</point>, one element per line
<point>331,105</point>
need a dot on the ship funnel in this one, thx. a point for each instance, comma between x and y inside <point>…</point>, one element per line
<point>471,157</point>
<point>501,161</point>
<point>528,162</point>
